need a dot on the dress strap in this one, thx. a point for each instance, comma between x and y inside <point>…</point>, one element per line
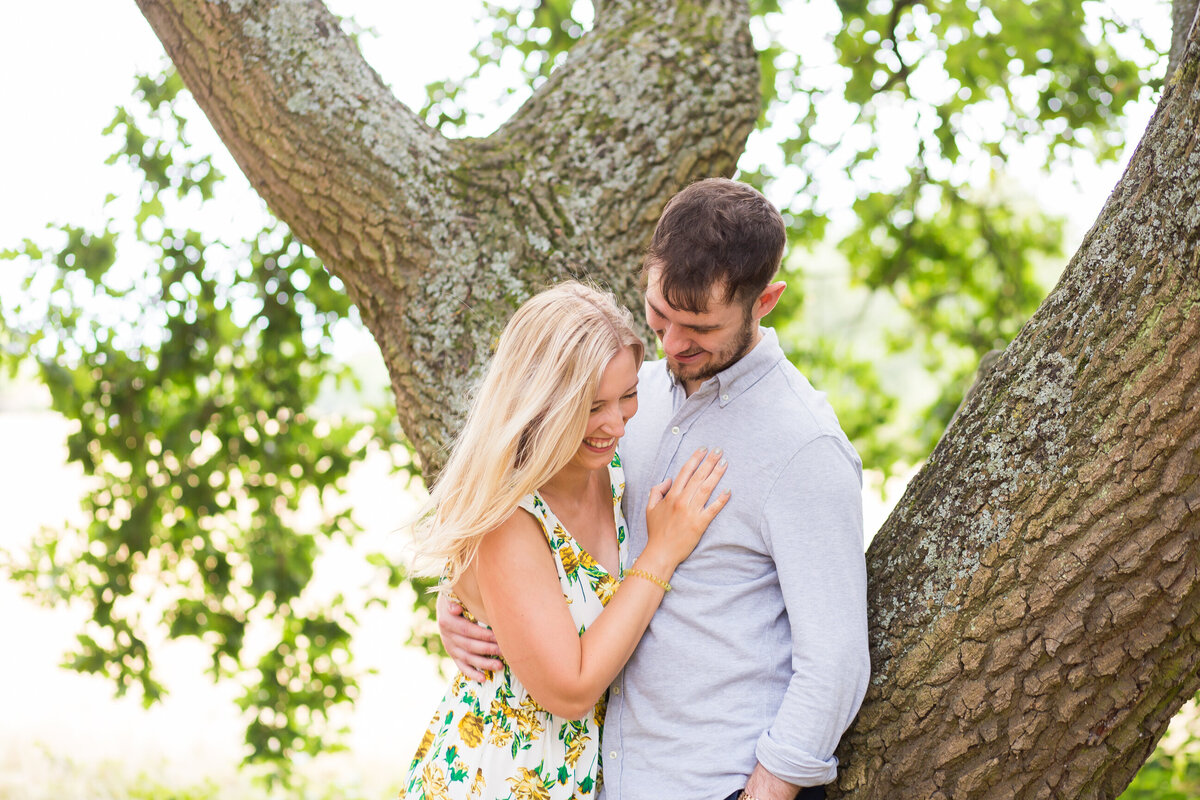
<point>535,505</point>
<point>616,478</point>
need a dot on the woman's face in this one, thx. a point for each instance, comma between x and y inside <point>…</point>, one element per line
<point>614,404</point>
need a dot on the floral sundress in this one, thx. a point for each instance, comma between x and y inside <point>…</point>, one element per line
<point>491,740</point>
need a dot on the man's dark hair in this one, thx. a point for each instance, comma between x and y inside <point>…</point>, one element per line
<point>716,232</point>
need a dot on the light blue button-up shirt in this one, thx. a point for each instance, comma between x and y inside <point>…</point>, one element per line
<point>760,651</point>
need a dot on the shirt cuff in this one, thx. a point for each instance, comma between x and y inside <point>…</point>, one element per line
<point>793,765</point>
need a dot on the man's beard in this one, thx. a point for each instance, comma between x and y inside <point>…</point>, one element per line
<point>720,361</point>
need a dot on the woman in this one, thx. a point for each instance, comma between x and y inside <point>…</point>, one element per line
<point>527,517</point>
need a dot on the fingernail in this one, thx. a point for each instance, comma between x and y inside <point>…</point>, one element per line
<point>717,451</point>
<point>722,462</point>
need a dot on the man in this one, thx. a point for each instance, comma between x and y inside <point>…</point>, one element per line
<point>756,662</point>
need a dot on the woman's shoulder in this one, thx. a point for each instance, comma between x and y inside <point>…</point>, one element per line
<point>526,521</point>
<point>521,535</point>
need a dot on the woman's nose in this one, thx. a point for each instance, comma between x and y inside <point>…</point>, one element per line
<point>615,423</point>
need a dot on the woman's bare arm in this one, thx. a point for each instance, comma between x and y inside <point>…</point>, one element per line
<point>518,582</point>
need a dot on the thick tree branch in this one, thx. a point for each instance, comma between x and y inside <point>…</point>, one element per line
<point>309,122</point>
<point>633,88</point>
<point>1183,16</point>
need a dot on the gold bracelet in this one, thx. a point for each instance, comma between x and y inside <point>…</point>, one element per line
<point>641,573</point>
<point>746,796</point>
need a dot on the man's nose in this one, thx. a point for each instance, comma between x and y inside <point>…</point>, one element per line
<point>673,340</point>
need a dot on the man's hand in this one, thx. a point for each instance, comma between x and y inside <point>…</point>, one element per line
<point>472,647</point>
<point>765,786</point>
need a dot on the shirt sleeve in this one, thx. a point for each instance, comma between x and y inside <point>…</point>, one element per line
<point>812,526</point>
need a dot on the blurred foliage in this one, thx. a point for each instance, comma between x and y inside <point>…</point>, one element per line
<point>906,114</point>
<point>1173,771</point>
<point>189,369</point>
<point>1166,777</point>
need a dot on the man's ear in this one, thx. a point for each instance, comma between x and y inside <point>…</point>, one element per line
<point>766,301</point>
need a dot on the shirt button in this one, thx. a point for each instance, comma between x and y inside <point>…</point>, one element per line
<point>724,398</point>
<point>675,430</point>
<point>612,753</point>
<point>616,690</point>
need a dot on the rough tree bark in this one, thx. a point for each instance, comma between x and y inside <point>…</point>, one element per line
<point>1034,598</point>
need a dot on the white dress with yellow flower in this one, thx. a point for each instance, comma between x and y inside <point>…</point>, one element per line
<point>491,740</point>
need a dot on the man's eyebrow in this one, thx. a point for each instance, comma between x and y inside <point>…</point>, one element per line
<point>654,307</point>
<point>703,328</point>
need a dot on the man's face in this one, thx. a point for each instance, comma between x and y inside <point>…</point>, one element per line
<point>698,346</point>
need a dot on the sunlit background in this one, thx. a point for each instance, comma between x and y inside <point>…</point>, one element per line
<point>65,67</point>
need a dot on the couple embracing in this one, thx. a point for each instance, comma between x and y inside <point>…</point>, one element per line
<point>684,619</point>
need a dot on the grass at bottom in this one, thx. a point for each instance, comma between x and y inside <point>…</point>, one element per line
<point>39,773</point>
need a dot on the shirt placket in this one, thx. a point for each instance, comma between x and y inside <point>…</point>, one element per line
<point>687,412</point>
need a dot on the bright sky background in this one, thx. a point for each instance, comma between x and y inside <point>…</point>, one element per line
<point>66,65</point>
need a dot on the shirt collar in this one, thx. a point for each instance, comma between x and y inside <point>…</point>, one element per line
<point>743,373</point>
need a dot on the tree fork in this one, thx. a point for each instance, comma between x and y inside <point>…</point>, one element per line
<point>436,240</point>
<point>1035,597</point>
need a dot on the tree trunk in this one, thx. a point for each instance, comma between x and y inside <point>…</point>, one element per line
<point>1034,598</point>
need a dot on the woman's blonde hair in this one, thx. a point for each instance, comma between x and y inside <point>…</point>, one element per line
<point>527,418</point>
